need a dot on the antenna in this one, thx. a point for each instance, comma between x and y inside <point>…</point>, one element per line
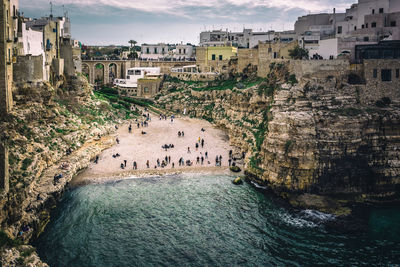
<point>51,9</point>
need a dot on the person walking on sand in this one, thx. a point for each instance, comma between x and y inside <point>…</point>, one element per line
<point>197,160</point>
<point>197,146</point>
<point>199,139</point>
<point>148,164</point>
<point>206,154</point>
<point>183,134</point>
<point>216,161</point>
<point>179,134</point>
<point>134,165</point>
<point>189,151</point>
<point>230,162</point>
<point>130,128</point>
<point>202,143</point>
<point>125,163</point>
<point>173,165</point>
<point>202,160</point>
<point>169,159</point>
<point>117,140</point>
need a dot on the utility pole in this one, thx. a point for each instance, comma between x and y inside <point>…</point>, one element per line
<point>51,9</point>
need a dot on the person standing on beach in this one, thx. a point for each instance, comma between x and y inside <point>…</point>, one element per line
<point>125,163</point>
<point>183,134</point>
<point>148,164</point>
<point>189,151</point>
<point>202,143</point>
<point>197,146</point>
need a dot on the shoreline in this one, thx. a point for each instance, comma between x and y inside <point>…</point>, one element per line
<point>78,180</point>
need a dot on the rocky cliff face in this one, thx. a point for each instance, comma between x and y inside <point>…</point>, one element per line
<point>311,141</point>
<point>46,122</point>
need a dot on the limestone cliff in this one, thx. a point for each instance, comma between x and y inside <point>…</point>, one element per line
<point>305,139</point>
<point>46,123</point>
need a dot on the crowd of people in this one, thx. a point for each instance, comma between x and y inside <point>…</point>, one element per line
<point>200,158</point>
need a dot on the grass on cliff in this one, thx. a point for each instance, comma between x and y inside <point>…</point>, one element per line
<point>220,85</point>
<point>6,241</point>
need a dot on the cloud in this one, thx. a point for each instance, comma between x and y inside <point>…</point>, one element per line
<point>176,7</point>
<point>175,20</point>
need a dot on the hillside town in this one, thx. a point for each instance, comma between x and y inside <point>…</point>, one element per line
<point>42,49</point>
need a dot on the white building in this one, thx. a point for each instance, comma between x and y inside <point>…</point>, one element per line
<point>185,69</point>
<point>134,74</point>
<point>154,51</point>
<point>183,52</point>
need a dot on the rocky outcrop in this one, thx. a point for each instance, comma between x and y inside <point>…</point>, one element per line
<point>52,131</point>
<point>308,138</point>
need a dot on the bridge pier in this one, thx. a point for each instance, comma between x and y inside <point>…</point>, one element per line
<point>4,172</point>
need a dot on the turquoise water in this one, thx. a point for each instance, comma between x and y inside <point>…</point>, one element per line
<point>190,220</point>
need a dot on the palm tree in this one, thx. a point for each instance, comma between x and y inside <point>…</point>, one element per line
<point>132,43</point>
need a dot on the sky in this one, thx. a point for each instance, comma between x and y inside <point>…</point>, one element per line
<point>106,22</point>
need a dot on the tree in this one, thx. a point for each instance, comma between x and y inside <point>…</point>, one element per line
<point>298,53</point>
<point>132,43</point>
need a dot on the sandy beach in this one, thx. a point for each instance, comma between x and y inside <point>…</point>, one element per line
<point>139,147</point>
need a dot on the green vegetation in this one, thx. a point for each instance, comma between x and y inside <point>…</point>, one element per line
<point>220,85</point>
<point>6,241</point>
<point>26,163</point>
<point>288,146</point>
<point>292,79</point>
<point>298,53</point>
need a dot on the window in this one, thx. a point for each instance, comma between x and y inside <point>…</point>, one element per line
<point>375,73</point>
<point>386,75</point>
<point>130,72</point>
<point>393,24</point>
<point>373,25</point>
<point>128,77</point>
<point>366,25</point>
<point>373,11</point>
<point>397,73</point>
<point>184,51</point>
<point>366,39</point>
<point>220,57</point>
<point>163,50</point>
<point>213,57</point>
<point>155,50</point>
<point>275,55</point>
<point>146,90</point>
<point>339,29</point>
<point>138,72</point>
<point>355,28</point>
<point>147,50</point>
<point>381,10</point>
<point>362,26</point>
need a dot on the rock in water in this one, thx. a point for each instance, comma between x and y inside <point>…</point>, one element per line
<point>237,181</point>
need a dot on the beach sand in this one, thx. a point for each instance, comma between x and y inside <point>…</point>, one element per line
<point>140,148</point>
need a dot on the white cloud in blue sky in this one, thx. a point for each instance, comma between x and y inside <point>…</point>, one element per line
<point>117,21</point>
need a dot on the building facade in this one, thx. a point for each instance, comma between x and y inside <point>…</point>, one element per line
<point>154,51</point>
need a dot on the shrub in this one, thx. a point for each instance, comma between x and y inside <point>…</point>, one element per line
<point>298,53</point>
<point>288,146</point>
<point>292,79</point>
<point>26,163</point>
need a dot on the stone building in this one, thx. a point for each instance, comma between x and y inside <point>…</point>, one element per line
<point>184,52</point>
<point>148,87</point>
<point>8,11</point>
<point>214,58</point>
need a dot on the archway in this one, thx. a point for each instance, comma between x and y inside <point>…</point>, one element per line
<point>86,71</point>
<point>99,74</point>
<point>112,72</point>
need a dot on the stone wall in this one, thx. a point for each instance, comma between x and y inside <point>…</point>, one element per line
<point>28,69</point>
<point>4,174</point>
<point>204,77</point>
<point>320,68</point>
<point>247,57</point>
<point>165,66</point>
<point>57,66</point>
<point>376,88</point>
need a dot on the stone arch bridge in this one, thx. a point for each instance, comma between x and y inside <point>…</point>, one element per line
<point>103,71</point>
